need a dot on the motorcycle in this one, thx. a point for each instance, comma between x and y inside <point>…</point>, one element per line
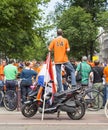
<point>66,101</point>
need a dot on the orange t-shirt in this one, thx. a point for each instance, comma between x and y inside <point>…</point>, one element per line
<point>39,68</point>
<point>105,71</point>
<point>60,46</point>
<point>91,64</point>
<point>35,68</point>
<point>1,72</point>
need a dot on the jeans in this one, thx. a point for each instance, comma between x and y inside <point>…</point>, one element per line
<point>105,97</point>
<point>24,93</point>
<point>11,85</point>
<point>25,89</point>
<point>59,76</point>
<point>65,87</point>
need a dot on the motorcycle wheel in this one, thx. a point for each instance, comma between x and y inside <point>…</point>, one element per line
<point>29,110</point>
<point>79,111</point>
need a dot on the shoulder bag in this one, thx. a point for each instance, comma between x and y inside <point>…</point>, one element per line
<point>79,76</point>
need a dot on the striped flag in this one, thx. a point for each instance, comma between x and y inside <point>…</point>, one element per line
<point>46,74</point>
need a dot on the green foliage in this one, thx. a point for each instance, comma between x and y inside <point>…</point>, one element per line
<point>102,20</point>
<point>37,51</point>
<point>79,29</point>
<point>19,25</point>
<point>91,6</point>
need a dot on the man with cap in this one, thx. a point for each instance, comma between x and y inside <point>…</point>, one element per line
<point>85,70</point>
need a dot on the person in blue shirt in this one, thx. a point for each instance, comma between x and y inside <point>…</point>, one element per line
<point>26,76</point>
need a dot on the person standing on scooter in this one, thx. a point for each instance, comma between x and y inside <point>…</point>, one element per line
<point>60,46</point>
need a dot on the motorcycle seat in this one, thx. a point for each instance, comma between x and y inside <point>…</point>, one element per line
<point>60,94</point>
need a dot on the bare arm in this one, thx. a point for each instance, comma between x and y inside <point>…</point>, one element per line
<point>91,76</point>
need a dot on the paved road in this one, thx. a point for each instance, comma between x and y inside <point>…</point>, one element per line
<point>15,120</point>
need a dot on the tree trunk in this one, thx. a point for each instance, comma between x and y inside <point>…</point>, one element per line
<point>91,49</point>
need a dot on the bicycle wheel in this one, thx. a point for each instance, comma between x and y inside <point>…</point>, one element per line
<point>10,100</point>
<point>93,99</point>
<point>106,109</point>
<point>1,96</point>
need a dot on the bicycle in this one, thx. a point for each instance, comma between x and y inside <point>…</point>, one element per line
<point>1,94</point>
<point>10,99</point>
<point>93,98</point>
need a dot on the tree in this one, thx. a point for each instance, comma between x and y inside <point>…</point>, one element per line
<point>91,6</point>
<point>19,25</point>
<point>96,9</point>
<point>37,51</point>
<point>102,20</point>
<point>79,29</point>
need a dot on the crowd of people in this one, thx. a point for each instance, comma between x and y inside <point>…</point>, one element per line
<point>93,74</point>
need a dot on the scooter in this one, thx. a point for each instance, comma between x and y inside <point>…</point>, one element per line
<point>66,101</point>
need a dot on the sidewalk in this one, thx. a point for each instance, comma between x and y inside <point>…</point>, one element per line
<point>4,111</point>
<point>15,118</point>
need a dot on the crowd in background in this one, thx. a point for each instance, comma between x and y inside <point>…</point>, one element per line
<point>94,74</point>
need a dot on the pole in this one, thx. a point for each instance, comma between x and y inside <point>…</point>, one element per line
<point>19,96</point>
<point>43,109</point>
<point>46,82</point>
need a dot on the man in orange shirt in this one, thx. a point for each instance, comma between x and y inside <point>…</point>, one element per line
<point>60,46</point>
<point>106,74</point>
<point>105,71</point>
<point>3,63</point>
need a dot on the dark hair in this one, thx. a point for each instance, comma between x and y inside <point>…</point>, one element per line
<point>96,62</point>
<point>11,61</point>
<point>59,32</point>
<point>27,63</point>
